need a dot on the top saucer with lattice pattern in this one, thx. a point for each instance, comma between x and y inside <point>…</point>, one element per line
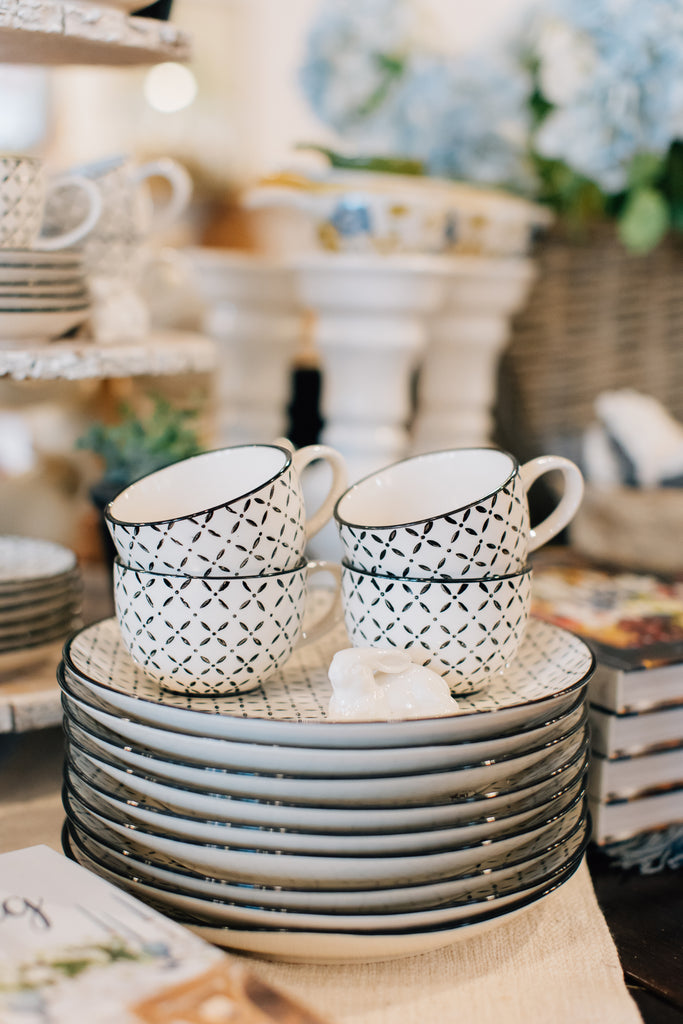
<point>545,679</point>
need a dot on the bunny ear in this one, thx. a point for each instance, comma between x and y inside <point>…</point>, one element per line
<point>390,661</point>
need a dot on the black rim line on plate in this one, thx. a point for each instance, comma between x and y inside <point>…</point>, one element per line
<point>252,887</point>
<point>133,829</point>
<point>542,880</point>
<point>128,770</point>
<point>367,726</point>
<point>485,819</point>
<point>121,744</point>
<point>64,684</point>
<point>572,867</point>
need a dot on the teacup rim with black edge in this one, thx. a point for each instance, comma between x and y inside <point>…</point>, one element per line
<point>437,514</point>
<point>175,468</point>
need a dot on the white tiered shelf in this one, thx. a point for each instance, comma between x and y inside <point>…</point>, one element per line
<point>56,32</point>
<point>164,353</point>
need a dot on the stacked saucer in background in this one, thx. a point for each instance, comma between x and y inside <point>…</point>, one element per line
<point>269,828</point>
<point>43,293</point>
<point>40,595</point>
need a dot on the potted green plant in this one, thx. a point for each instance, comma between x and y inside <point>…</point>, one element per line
<point>134,446</point>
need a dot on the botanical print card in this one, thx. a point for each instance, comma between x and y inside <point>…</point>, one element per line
<point>76,950</point>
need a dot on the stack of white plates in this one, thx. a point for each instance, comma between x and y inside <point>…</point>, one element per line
<point>42,294</point>
<point>268,828</point>
<point>40,594</point>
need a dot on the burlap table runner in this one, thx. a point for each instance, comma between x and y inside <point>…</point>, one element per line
<point>556,964</point>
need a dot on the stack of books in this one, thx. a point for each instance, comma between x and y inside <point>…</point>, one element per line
<point>634,625</point>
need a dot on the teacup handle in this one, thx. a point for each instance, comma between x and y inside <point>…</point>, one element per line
<point>52,242</point>
<point>334,613</point>
<point>181,190</point>
<point>569,503</point>
<point>300,459</point>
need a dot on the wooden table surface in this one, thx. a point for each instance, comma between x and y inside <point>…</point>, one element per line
<point>645,916</point>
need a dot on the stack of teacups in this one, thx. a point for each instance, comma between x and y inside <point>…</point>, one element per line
<point>43,293</point>
<point>211,579</point>
<point>435,557</point>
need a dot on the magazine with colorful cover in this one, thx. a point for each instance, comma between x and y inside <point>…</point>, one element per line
<point>75,949</point>
<point>634,624</point>
<point>630,620</point>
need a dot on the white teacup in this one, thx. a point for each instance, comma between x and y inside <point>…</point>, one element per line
<point>451,514</point>
<point>231,512</point>
<point>465,630</point>
<point>219,635</point>
<point>25,190</point>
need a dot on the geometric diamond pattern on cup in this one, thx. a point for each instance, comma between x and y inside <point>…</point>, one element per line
<point>258,534</point>
<point>22,199</point>
<point>486,539</point>
<point>465,630</point>
<point>223,635</point>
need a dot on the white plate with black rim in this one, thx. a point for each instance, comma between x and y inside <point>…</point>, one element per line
<point>381,791</point>
<point>224,833</point>
<point>26,560</point>
<point>308,761</point>
<point>495,804</point>
<point>327,871</point>
<point>208,911</point>
<point>550,671</point>
<point>165,873</point>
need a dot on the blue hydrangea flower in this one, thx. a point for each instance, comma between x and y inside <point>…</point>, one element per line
<point>614,71</point>
<point>367,75</point>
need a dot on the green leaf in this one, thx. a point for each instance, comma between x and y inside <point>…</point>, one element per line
<point>645,169</point>
<point>384,164</point>
<point>644,220</point>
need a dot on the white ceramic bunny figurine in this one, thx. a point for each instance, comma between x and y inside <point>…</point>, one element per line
<point>378,684</point>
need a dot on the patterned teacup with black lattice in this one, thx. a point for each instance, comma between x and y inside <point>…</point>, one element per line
<point>230,512</point>
<point>218,634</point>
<point>465,630</point>
<point>453,514</point>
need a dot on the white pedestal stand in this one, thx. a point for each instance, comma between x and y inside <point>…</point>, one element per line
<point>370,328</point>
<point>457,383</point>
<point>252,313</point>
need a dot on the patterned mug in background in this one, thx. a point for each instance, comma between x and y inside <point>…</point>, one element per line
<point>129,215</point>
<point>25,191</point>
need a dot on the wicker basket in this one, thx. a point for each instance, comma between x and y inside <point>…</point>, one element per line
<point>597,318</point>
